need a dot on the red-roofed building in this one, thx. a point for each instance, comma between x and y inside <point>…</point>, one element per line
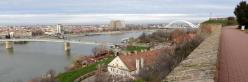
<point>130,64</point>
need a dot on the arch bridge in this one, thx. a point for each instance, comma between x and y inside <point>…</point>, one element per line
<point>191,25</point>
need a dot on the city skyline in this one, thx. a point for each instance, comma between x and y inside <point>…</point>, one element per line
<point>102,11</point>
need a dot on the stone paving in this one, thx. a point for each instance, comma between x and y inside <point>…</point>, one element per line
<point>200,65</point>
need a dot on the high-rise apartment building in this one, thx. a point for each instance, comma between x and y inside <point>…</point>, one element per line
<point>117,24</point>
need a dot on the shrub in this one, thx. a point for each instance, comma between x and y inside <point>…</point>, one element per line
<point>168,59</point>
<point>156,37</point>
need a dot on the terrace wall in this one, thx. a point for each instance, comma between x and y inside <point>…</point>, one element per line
<point>200,65</point>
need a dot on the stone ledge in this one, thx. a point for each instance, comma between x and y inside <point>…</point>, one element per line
<point>200,65</point>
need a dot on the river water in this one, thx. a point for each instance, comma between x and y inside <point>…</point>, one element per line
<point>26,61</point>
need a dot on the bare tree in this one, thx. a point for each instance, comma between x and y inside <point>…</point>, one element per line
<point>168,59</point>
<point>98,50</point>
<point>48,77</point>
<point>162,66</point>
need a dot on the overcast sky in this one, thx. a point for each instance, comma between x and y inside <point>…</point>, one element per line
<point>102,11</point>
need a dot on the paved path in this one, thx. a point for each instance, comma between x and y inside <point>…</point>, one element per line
<point>233,58</point>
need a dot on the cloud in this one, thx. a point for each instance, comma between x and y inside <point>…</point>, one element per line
<point>93,18</point>
<point>102,11</point>
<point>113,6</point>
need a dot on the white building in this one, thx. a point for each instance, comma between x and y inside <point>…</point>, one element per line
<point>127,65</point>
<point>59,29</point>
<point>12,34</point>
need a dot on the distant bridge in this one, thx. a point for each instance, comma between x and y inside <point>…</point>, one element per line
<point>60,40</point>
<point>191,25</point>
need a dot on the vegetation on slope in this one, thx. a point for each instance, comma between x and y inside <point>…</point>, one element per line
<point>225,21</point>
<point>72,75</point>
<point>135,48</point>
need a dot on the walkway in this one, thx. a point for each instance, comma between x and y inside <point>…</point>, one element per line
<point>233,58</point>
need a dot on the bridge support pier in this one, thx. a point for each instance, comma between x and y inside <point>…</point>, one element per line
<point>8,44</point>
<point>67,46</point>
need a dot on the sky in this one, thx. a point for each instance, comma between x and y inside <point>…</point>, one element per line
<point>102,11</point>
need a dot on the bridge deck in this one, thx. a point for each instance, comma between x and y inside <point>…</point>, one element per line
<point>60,40</point>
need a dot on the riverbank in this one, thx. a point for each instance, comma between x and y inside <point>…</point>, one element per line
<point>109,32</point>
<point>72,75</point>
<point>29,58</point>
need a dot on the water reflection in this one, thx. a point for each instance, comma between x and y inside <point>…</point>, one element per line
<point>10,51</point>
<point>21,42</point>
<point>36,58</point>
<point>68,54</point>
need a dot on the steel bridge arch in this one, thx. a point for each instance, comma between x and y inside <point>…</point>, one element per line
<point>184,21</point>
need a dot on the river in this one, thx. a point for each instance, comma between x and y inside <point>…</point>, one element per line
<point>26,61</point>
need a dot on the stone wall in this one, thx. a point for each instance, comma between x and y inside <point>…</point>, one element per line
<point>200,65</point>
